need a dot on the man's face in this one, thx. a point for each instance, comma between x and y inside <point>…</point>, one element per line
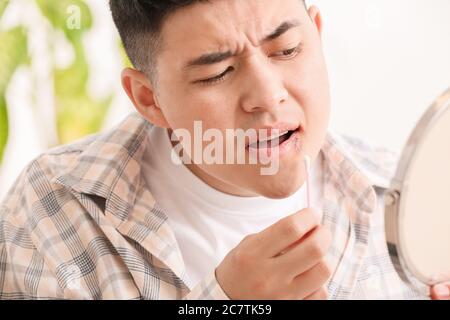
<point>279,80</point>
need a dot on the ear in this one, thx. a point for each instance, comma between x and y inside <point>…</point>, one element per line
<point>316,18</point>
<point>141,93</point>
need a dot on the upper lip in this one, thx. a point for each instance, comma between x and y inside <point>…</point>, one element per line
<point>274,130</point>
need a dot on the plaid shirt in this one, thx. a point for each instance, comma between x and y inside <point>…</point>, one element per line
<point>79,223</point>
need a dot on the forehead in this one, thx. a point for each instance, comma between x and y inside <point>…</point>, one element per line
<point>225,24</point>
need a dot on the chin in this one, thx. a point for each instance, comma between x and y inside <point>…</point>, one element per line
<point>280,188</point>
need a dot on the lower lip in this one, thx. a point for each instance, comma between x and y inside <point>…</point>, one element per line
<point>291,144</point>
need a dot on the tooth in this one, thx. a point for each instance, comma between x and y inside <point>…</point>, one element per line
<point>255,145</point>
<point>274,136</point>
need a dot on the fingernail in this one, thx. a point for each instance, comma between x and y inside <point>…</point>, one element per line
<point>442,290</point>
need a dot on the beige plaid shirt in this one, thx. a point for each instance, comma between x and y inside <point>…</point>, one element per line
<point>79,223</point>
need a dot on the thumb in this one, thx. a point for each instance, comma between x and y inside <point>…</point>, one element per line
<point>440,291</point>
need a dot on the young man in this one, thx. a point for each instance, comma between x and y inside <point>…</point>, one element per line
<point>115,216</point>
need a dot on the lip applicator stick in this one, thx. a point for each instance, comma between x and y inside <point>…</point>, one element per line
<point>307,163</point>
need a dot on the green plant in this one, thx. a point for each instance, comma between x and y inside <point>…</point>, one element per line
<point>77,113</point>
<point>12,54</point>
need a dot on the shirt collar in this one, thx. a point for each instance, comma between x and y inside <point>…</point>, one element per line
<point>349,174</point>
<point>109,167</point>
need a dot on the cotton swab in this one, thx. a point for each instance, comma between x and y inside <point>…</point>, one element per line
<point>307,162</point>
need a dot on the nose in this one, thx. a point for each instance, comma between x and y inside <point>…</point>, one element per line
<point>263,88</point>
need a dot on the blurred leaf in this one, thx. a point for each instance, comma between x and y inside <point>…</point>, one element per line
<point>78,114</point>
<point>3,126</point>
<point>73,80</point>
<point>13,52</point>
<point>64,14</point>
<point>3,4</point>
<point>123,54</point>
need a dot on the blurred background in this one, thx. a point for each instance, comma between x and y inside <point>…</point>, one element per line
<point>60,64</point>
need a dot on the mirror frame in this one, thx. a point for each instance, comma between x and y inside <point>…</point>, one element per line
<point>398,186</point>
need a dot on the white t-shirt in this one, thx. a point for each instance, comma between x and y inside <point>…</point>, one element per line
<point>208,223</point>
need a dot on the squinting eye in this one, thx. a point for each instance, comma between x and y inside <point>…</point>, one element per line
<point>290,53</point>
<point>218,78</point>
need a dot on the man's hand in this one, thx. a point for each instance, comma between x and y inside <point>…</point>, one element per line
<point>441,291</point>
<point>284,261</point>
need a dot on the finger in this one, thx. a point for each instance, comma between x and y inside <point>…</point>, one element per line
<point>306,254</point>
<point>286,231</point>
<point>440,292</point>
<point>310,281</point>
<point>321,294</point>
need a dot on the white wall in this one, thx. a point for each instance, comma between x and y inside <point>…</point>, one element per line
<point>388,60</point>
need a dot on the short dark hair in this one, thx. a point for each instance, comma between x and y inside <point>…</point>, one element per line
<point>139,23</point>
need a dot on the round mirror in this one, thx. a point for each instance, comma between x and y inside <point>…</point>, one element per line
<point>418,201</point>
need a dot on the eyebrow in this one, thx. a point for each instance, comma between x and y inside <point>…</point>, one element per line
<point>216,57</point>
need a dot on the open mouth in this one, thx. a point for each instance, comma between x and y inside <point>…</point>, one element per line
<point>274,140</point>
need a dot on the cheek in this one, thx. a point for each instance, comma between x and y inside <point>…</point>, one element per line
<point>309,86</point>
<point>317,114</point>
<point>309,81</point>
<point>183,109</point>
